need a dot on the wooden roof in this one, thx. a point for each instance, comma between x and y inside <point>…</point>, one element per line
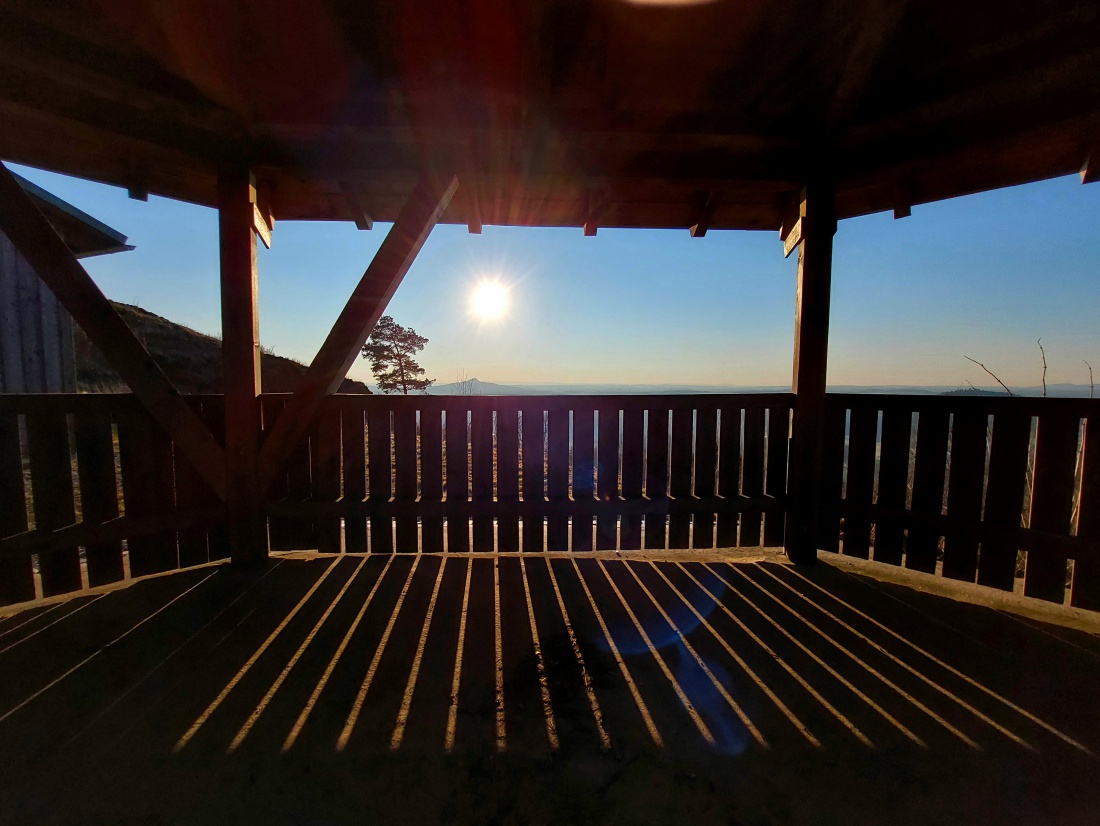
<point>554,112</point>
<point>84,235</point>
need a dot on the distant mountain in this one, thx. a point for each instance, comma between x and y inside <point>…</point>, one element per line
<point>192,360</point>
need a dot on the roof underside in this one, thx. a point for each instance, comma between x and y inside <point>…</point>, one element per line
<point>554,112</point>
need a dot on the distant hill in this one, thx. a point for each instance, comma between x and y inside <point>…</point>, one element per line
<point>192,360</point>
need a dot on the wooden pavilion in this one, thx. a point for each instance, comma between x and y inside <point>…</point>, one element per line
<point>727,115</point>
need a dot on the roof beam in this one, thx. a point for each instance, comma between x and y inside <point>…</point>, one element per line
<point>47,254</point>
<point>359,212</point>
<point>383,276</point>
<point>705,212</point>
<point>1090,169</point>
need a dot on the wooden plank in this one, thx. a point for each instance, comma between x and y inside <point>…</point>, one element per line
<point>217,531</point>
<point>458,464</point>
<point>775,483</point>
<point>481,473</point>
<point>811,349</point>
<point>280,528</point>
<point>191,493</point>
<point>95,459</point>
<point>633,459</point>
<point>326,473</point>
<point>680,477</point>
<point>145,455</point>
<point>965,487</point>
<point>831,479</point>
<point>893,482</point>
<point>52,489</point>
<point>405,470</point>
<point>379,473</point>
<point>607,476</point>
<point>241,366</point>
<point>353,443</point>
<point>12,263</point>
<point>584,487</point>
<point>1052,503</point>
<point>706,465</point>
<point>656,477</point>
<point>1004,496</point>
<point>534,476</point>
<point>557,476</point>
<point>16,575</point>
<point>47,254</point>
<point>862,436</point>
<point>752,477</point>
<point>367,303</point>
<point>508,474</point>
<point>929,468</point>
<point>1086,567</point>
<point>431,476</point>
<point>729,475</point>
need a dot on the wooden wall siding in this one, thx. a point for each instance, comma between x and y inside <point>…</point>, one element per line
<point>968,496</point>
<point>535,473</point>
<point>36,332</point>
<point>105,496</point>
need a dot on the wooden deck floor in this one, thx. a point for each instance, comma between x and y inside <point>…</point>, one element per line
<point>534,689</point>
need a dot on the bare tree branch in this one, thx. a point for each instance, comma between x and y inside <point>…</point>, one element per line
<point>994,375</point>
<point>1091,386</point>
<point>1044,352</point>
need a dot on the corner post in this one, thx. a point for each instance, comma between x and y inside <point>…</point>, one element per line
<point>241,367</point>
<point>817,220</point>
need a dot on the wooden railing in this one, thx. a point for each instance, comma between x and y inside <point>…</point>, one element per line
<point>999,491</point>
<point>92,492</point>
<point>535,473</point>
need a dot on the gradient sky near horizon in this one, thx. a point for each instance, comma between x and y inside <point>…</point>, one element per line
<point>981,276</point>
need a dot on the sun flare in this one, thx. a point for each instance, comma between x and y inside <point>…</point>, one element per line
<point>489,300</point>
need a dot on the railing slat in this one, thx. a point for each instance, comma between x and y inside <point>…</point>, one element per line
<point>1052,502</point>
<point>431,475</point>
<point>145,454</point>
<point>533,474</point>
<point>379,470</point>
<point>1004,498</point>
<point>859,491</point>
<point>752,476</point>
<point>680,477</point>
<point>353,445</point>
<point>508,474</point>
<point>458,468</point>
<point>775,484</point>
<point>481,477</point>
<point>633,458</point>
<point>607,476</point>
<point>405,475</point>
<point>52,490</point>
<point>893,482</point>
<point>583,478</point>
<point>95,460</point>
<point>832,474</point>
<point>729,474</point>
<point>964,493</point>
<point>1086,568</point>
<point>16,575</point>
<point>656,483</point>
<point>557,477</point>
<point>929,468</point>
<point>326,476</point>
<point>280,529</point>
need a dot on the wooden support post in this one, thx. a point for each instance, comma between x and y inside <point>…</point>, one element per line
<point>241,366</point>
<point>31,234</point>
<point>425,207</point>
<point>811,345</point>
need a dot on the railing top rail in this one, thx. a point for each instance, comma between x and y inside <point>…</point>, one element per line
<point>562,402</point>
<point>1026,405</point>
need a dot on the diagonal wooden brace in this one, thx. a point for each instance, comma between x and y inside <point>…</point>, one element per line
<point>47,254</point>
<point>423,210</point>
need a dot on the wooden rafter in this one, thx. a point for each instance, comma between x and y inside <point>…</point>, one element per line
<point>877,27</point>
<point>47,254</point>
<point>367,303</point>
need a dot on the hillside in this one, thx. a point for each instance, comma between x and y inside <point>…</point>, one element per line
<point>191,359</point>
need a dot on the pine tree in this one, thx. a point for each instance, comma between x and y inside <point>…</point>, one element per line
<point>390,350</point>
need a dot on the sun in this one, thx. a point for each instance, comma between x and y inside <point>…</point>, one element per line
<point>489,300</point>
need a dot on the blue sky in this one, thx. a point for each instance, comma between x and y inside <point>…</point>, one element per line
<point>983,276</point>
